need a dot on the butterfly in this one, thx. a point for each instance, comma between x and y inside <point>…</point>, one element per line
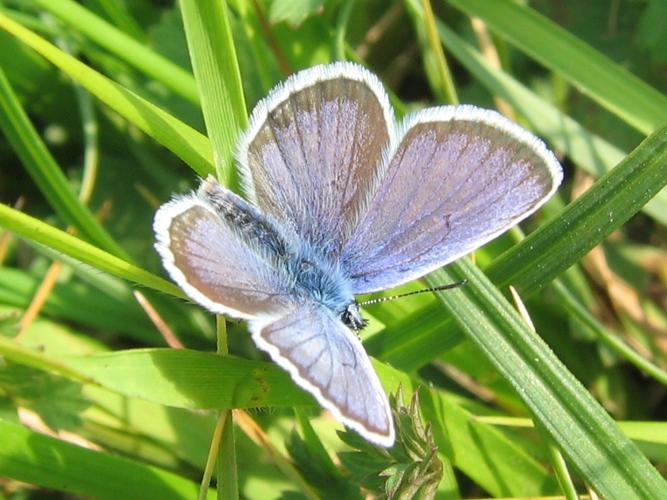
<point>341,200</point>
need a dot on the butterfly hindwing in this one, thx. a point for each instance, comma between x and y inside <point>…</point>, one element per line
<point>327,359</point>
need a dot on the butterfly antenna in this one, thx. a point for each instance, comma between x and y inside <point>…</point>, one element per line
<point>394,297</point>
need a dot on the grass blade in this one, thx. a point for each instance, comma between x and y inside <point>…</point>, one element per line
<point>174,377</point>
<point>217,73</point>
<point>216,69</point>
<point>606,82</point>
<point>495,461</point>
<point>34,458</point>
<point>607,459</point>
<point>123,46</point>
<point>40,232</point>
<point>191,146</point>
<point>435,62</point>
<point>46,173</point>
<point>117,11</point>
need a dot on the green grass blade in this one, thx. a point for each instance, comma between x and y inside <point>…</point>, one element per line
<point>117,11</point>
<point>123,46</point>
<point>217,73</point>
<point>608,461</point>
<point>588,151</point>
<point>215,65</point>
<point>609,339</point>
<point>606,82</point>
<point>174,377</point>
<point>228,486</point>
<point>191,146</point>
<point>46,173</point>
<point>435,62</point>
<point>109,306</point>
<point>559,465</point>
<point>197,380</point>
<point>31,457</point>
<point>40,232</point>
<point>649,435</point>
<point>495,461</point>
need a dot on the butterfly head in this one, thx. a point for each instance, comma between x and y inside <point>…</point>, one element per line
<point>351,317</point>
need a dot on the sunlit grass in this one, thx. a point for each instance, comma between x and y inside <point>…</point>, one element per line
<point>512,411</point>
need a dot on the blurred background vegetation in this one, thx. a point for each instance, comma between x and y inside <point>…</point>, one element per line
<point>612,334</point>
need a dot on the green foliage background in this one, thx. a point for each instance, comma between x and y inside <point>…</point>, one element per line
<point>109,107</point>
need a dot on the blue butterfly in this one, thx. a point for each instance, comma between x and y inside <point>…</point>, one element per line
<point>342,200</point>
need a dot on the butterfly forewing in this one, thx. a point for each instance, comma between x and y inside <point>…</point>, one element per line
<point>458,178</point>
<point>327,359</point>
<point>313,149</point>
<point>217,260</point>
